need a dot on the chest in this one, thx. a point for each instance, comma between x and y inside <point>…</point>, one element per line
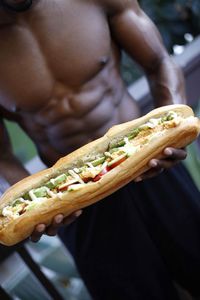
<point>56,40</point>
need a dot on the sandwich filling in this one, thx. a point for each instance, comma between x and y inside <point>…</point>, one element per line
<point>93,170</point>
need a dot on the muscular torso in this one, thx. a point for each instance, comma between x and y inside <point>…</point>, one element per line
<point>59,75</point>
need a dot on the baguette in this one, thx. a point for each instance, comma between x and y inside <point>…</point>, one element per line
<point>94,171</point>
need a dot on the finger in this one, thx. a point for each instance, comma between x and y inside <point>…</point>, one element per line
<point>163,163</point>
<point>53,228</point>
<point>154,169</point>
<point>59,220</point>
<point>71,218</point>
<point>38,232</point>
<point>173,156</point>
<point>160,164</point>
<point>149,174</point>
<point>174,153</point>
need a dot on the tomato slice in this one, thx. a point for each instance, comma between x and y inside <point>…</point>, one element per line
<point>86,180</point>
<point>115,164</point>
<point>64,188</point>
<point>103,172</point>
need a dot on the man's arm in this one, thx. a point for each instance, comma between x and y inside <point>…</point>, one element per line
<point>134,32</point>
<point>11,170</point>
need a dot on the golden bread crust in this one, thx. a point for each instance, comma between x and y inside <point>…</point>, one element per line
<point>22,227</point>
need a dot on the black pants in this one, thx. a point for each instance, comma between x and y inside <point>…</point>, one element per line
<point>134,243</point>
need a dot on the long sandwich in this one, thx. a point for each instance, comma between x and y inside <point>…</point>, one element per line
<point>94,171</point>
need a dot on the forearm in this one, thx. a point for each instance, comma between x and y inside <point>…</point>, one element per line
<point>166,82</point>
<point>11,171</point>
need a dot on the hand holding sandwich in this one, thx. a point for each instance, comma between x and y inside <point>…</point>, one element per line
<point>53,228</point>
<point>171,157</point>
<point>129,151</point>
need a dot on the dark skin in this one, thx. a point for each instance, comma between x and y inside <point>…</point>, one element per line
<point>60,78</point>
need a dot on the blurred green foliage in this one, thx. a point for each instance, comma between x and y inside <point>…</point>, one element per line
<point>174,19</point>
<point>22,145</point>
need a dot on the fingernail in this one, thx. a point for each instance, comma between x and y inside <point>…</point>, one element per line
<point>41,228</point>
<point>78,213</point>
<point>153,164</point>
<point>138,179</point>
<point>59,219</point>
<point>168,151</point>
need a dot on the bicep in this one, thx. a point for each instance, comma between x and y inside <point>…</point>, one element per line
<point>137,35</point>
<point>11,169</point>
<point>5,145</point>
<point>5,149</point>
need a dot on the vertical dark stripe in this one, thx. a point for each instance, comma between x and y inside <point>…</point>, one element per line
<point>34,267</point>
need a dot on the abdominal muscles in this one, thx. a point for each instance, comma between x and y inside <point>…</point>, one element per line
<point>73,117</point>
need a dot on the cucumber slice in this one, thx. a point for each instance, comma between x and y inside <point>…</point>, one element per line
<point>40,192</point>
<point>59,179</point>
<point>98,161</point>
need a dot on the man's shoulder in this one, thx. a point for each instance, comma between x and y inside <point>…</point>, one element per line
<point>117,6</point>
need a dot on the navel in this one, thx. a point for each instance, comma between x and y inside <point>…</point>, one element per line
<point>104,60</point>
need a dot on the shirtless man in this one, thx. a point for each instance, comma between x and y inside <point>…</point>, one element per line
<point>60,81</point>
